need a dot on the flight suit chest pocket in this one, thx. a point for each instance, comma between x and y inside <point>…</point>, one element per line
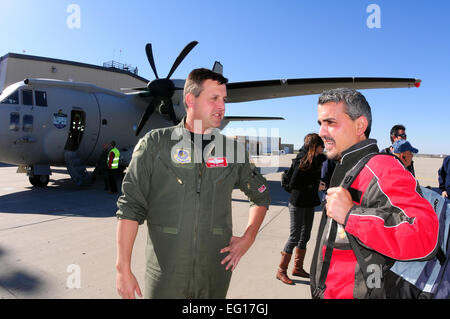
<point>167,197</point>
<point>223,184</point>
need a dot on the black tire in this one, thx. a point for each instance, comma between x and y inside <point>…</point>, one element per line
<point>39,180</point>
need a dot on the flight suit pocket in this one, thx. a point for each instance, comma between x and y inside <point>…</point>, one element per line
<point>167,198</point>
<point>221,223</point>
<point>256,188</point>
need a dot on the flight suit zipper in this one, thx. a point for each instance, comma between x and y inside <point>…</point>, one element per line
<point>196,218</point>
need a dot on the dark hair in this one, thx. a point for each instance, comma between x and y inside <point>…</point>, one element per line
<point>112,143</point>
<point>395,129</point>
<point>196,78</point>
<point>312,141</point>
<point>356,104</point>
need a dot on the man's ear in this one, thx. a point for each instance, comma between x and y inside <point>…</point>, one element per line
<point>189,100</point>
<point>361,125</point>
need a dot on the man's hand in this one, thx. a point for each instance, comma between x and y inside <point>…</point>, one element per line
<point>339,203</point>
<point>237,248</point>
<point>444,194</point>
<point>127,285</point>
<point>239,245</point>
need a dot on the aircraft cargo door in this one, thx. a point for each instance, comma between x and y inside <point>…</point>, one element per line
<point>77,125</point>
<point>83,132</point>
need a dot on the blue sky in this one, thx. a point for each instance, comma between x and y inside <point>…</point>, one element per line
<point>259,40</point>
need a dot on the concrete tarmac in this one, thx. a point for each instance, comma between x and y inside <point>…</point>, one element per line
<point>60,241</point>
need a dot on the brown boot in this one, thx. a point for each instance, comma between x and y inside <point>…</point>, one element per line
<point>282,268</point>
<point>298,263</point>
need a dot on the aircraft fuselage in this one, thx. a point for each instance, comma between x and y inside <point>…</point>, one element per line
<point>39,121</point>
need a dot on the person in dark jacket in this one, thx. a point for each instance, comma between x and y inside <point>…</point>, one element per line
<point>444,177</point>
<point>305,184</point>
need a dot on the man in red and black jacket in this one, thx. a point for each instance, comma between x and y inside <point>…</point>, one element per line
<point>383,207</point>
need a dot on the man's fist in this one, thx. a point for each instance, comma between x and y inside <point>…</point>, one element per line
<point>339,203</point>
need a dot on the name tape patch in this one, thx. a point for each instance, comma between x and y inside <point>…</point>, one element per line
<point>217,162</point>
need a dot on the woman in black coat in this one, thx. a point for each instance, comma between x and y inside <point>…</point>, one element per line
<point>305,184</point>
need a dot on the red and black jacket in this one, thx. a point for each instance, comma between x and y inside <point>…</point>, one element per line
<point>390,221</point>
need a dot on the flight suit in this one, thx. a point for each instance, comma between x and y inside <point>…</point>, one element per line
<point>187,205</point>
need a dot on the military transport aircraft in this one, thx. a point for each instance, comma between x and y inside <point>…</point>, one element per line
<point>45,122</point>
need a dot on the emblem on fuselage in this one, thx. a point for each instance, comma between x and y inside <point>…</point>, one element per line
<point>59,119</point>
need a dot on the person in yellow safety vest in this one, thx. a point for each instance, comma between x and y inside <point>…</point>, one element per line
<point>113,165</point>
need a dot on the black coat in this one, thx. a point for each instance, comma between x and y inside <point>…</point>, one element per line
<point>305,183</point>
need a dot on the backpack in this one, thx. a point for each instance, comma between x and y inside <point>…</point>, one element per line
<point>286,176</point>
<point>426,279</point>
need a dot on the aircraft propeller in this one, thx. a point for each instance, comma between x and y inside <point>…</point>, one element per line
<point>161,90</point>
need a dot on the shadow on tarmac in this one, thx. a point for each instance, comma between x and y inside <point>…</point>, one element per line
<point>300,282</point>
<point>62,198</point>
<point>19,281</point>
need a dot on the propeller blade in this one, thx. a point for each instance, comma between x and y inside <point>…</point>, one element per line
<point>148,50</point>
<point>148,111</point>
<point>135,89</point>
<point>181,57</point>
<point>168,108</point>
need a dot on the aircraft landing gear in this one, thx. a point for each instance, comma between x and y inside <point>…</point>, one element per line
<point>39,174</point>
<point>39,180</point>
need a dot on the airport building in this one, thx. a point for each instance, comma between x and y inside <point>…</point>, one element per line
<point>112,75</point>
<point>260,145</point>
<point>287,148</point>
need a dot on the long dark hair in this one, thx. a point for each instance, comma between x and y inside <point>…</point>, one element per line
<point>312,141</point>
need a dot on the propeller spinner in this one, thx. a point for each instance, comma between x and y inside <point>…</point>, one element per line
<point>161,90</point>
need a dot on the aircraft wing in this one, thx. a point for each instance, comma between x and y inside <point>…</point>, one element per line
<point>270,89</point>
<point>227,119</point>
<point>251,118</point>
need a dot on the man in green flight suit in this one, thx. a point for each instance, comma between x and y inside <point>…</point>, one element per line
<point>180,181</point>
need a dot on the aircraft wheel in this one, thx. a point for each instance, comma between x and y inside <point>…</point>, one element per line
<point>39,180</point>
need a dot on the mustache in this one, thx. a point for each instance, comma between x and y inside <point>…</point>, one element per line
<point>328,139</point>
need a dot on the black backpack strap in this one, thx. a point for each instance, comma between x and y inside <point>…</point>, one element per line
<point>347,182</point>
<point>363,266</point>
<point>440,255</point>
<point>320,289</point>
<point>323,222</point>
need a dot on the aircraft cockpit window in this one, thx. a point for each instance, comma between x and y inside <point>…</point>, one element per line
<point>13,98</point>
<point>27,97</point>
<point>27,123</point>
<point>41,98</point>
<point>14,121</point>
